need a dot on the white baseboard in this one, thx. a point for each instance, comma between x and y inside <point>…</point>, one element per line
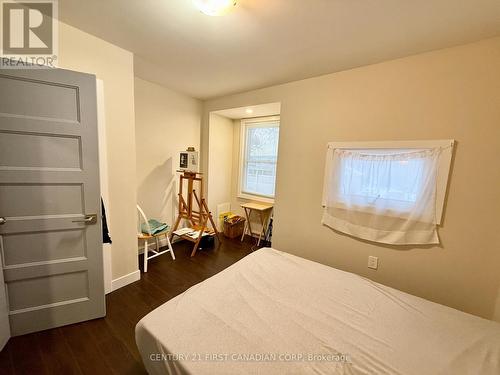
<point>125,280</point>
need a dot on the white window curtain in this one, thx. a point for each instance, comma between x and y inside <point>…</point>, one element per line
<point>386,196</point>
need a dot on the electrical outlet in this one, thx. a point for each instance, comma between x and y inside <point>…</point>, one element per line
<point>372,262</point>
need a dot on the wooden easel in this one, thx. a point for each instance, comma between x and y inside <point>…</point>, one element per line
<point>197,218</point>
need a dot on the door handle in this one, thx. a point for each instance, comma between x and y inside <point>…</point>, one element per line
<point>2,220</point>
<point>88,220</point>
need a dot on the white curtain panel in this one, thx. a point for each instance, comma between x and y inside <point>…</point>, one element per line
<point>386,196</point>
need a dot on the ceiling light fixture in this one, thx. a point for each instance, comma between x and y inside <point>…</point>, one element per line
<point>214,7</point>
<point>249,111</point>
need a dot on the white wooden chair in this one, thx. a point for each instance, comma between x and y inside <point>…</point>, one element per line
<point>146,237</point>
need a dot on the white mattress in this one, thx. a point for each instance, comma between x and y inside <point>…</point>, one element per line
<point>275,313</point>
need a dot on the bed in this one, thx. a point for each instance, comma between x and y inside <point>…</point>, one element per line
<point>275,313</point>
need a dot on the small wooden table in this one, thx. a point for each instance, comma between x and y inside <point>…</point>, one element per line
<point>262,209</point>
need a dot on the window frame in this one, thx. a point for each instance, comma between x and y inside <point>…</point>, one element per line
<point>443,172</point>
<point>242,157</point>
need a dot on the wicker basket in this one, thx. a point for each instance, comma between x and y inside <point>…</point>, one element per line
<point>233,230</point>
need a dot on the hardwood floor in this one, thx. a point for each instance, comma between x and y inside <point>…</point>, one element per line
<point>107,345</point>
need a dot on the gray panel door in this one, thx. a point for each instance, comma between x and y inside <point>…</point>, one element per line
<point>51,245</point>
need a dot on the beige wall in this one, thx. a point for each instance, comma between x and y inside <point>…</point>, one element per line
<point>451,93</point>
<point>166,123</point>
<point>82,52</point>
<point>220,159</point>
<point>236,202</point>
<point>496,312</point>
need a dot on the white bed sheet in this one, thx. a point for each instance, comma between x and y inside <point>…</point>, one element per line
<point>275,313</point>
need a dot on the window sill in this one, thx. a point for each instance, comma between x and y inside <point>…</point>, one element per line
<point>257,198</point>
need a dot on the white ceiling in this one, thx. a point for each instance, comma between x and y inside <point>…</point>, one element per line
<point>266,42</point>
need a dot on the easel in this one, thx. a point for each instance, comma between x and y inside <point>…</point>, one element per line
<point>197,218</point>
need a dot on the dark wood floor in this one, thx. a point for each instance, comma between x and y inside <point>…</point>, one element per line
<point>107,345</point>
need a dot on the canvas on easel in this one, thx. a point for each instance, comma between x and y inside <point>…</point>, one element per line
<point>194,209</point>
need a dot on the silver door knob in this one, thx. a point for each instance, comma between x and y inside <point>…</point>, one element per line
<point>88,219</point>
<point>2,220</point>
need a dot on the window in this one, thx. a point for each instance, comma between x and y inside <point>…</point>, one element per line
<point>391,192</point>
<point>258,158</point>
<point>370,178</point>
